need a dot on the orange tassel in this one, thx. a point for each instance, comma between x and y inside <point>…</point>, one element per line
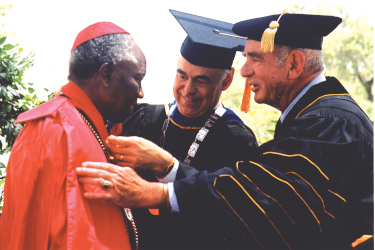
<point>245,105</point>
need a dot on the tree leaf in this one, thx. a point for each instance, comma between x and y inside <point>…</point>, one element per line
<point>2,40</point>
<point>8,46</point>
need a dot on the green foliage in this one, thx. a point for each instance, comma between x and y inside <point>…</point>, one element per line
<point>348,55</point>
<point>15,96</point>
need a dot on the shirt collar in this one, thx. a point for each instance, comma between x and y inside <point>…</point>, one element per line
<point>320,78</point>
<point>81,101</point>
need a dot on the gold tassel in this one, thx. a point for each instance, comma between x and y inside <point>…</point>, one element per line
<point>268,37</point>
<point>245,105</point>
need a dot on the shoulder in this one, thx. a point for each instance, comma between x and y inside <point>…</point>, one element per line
<point>45,109</point>
<point>146,111</point>
<point>144,116</point>
<point>341,107</point>
<point>235,125</point>
<point>236,132</point>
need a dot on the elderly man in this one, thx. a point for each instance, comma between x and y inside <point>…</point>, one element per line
<point>43,203</point>
<point>204,71</point>
<point>311,187</point>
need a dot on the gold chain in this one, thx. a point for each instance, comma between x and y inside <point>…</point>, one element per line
<point>95,134</point>
<point>131,219</point>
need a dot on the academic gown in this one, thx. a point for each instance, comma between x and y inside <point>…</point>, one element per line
<point>44,206</point>
<point>311,187</point>
<point>228,141</point>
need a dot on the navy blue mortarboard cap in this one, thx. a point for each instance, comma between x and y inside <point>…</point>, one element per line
<point>294,30</point>
<point>204,46</point>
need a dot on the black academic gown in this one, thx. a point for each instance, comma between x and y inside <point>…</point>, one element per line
<point>228,141</point>
<point>311,187</point>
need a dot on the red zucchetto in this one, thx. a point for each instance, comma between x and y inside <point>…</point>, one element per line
<point>96,30</point>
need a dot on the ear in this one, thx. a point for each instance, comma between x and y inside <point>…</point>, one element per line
<point>228,80</point>
<point>297,62</point>
<point>105,73</point>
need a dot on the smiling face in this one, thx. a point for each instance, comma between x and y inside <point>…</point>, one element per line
<point>126,86</point>
<point>269,83</point>
<point>197,89</point>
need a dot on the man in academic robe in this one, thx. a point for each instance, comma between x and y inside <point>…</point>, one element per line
<point>311,187</point>
<point>196,129</point>
<point>43,203</point>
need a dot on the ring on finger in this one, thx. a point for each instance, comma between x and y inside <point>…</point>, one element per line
<point>106,184</point>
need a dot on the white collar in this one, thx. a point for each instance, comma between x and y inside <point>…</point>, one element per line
<point>320,78</point>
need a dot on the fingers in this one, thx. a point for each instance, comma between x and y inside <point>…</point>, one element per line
<point>119,141</point>
<point>103,183</point>
<point>121,157</point>
<point>99,165</point>
<point>98,196</point>
<point>94,173</point>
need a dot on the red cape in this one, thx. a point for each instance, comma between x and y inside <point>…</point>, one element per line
<point>43,203</point>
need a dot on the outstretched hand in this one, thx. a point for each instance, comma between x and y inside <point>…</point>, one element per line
<point>125,187</point>
<point>139,154</point>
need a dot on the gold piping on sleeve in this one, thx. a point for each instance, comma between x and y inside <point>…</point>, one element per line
<point>267,195</point>
<point>292,189</point>
<point>314,191</point>
<point>337,195</point>
<point>312,163</point>
<point>182,127</point>
<point>317,100</point>
<point>260,208</point>
<point>234,211</point>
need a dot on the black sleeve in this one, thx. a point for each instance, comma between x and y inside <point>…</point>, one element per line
<point>308,189</point>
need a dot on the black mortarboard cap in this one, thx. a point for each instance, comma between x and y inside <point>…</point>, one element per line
<point>203,47</point>
<point>295,30</point>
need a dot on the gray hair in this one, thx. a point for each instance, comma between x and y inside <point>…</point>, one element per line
<point>223,73</point>
<point>313,58</point>
<point>87,58</point>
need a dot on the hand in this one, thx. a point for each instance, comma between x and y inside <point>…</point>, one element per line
<point>139,154</point>
<point>126,188</point>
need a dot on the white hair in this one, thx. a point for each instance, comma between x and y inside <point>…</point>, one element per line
<point>313,58</point>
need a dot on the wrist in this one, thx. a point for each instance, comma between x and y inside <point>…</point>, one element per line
<point>161,198</point>
<point>165,167</point>
<point>165,199</point>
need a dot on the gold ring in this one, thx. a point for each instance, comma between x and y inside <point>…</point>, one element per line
<point>106,184</point>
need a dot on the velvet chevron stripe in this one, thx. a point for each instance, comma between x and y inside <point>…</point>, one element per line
<point>243,202</point>
<point>287,196</point>
<point>306,170</point>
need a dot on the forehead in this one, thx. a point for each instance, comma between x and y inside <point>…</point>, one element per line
<point>132,67</point>
<point>252,45</point>
<point>194,70</point>
<point>252,49</point>
<point>139,55</point>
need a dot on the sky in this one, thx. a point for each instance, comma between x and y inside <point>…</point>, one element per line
<point>48,28</point>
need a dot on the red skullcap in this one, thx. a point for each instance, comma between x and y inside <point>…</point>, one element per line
<point>96,30</point>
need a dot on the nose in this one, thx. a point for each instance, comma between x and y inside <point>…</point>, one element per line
<point>140,93</point>
<point>247,69</point>
<point>189,87</point>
